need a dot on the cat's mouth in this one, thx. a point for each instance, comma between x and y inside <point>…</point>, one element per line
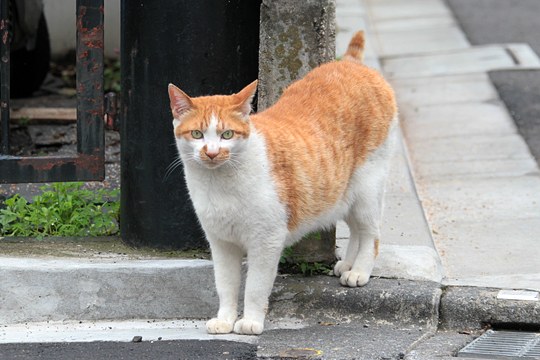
<point>212,163</point>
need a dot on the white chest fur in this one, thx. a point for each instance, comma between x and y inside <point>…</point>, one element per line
<point>240,202</point>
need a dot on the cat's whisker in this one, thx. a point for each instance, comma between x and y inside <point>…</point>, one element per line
<point>233,162</point>
<point>174,162</point>
<point>170,169</point>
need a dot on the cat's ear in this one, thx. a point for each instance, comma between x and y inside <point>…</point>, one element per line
<point>245,98</point>
<point>180,102</point>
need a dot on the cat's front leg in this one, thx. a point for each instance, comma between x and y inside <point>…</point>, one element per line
<point>262,268</point>
<point>227,258</point>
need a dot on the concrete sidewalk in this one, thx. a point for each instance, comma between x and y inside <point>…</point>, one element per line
<point>461,217</point>
<point>477,181</point>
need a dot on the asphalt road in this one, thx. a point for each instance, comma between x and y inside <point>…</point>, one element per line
<point>507,21</point>
<point>162,350</point>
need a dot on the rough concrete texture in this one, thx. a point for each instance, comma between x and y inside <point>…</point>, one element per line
<point>295,37</point>
<point>322,299</point>
<point>348,341</point>
<point>36,290</point>
<point>442,345</point>
<point>122,331</point>
<point>471,308</point>
<point>60,289</point>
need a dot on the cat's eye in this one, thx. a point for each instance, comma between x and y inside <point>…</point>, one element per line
<point>227,134</point>
<point>196,134</point>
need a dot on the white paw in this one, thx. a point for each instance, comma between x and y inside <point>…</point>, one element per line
<point>340,267</point>
<point>248,327</point>
<point>217,326</point>
<point>354,279</point>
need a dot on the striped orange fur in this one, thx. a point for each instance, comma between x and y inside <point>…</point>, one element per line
<point>320,130</point>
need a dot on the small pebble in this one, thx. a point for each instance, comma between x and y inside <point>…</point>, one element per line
<point>137,339</point>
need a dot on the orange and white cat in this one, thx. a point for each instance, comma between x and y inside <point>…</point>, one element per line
<point>260,182</point>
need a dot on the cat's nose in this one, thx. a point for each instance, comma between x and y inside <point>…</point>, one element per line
<point>212,155</point>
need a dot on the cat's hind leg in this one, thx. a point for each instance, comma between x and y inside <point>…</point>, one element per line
<point>366,195</point>
<point>227,259</point>
<point>346,262</point>
<point>364,220</point>
<point>362,251</point>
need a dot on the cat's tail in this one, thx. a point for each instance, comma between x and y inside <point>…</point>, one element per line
<point>355,51</point>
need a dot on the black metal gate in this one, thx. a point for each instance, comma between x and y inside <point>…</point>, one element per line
<point>89,162</point>
<point>206,47</point>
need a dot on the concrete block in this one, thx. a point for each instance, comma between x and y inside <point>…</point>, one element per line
<point>350,22</point>
<point>404,222</point>
<point>476,59</point>
<point>399,182</point>
<point>117,331</point>
<point>472,169</point>
<point>474,147</point>
<point>409,262</point>
<point>414,24</point>
<point>472,308</point>
<point>349,10</point>
<point>460,119</point>
<point>524,56</point>
<point>55,289</point>
<point>295,37</point>
<point>511,281</point>
<point>420,42</point>
<point>474,250</point>
<point>415,92</point>
<point>391,9</point>
<point>482,199</point>
<point>322,299</point>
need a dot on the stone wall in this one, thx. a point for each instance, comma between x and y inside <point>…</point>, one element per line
<point>295,37</point>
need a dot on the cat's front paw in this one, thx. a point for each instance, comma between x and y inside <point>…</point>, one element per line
<point>217,326</point>
<point>248,327</point>
<point>354,279</point>
<point>341,267</point>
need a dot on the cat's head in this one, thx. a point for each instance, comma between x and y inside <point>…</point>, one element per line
<point>211,130</point>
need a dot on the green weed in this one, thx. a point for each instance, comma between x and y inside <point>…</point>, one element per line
<point>63,209</point>
<point>289,263</point>
<point>111,75</point>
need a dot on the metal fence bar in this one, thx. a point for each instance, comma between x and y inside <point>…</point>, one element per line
<point>90,120</point>
<point>89,163</point>
<point>4,76</point>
